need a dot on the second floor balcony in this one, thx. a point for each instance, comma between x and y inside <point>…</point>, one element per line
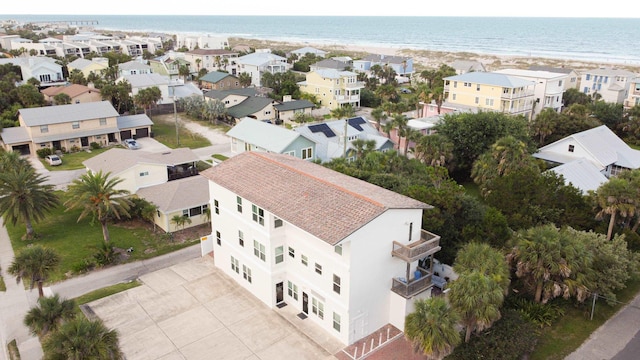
<point>421,281</point>
<point>428,244</point>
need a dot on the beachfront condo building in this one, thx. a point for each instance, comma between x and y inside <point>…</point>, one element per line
<point>307,241</point>
<point>333,88</point>
<point>548,89</point>
<point>633,98</point>
<point>608,84</point>
<point>489,91</point>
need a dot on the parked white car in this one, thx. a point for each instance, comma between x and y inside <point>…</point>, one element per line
<point>53,160</point>
<point>131,144</point>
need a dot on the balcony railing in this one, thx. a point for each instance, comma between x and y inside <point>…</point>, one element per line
<point>414,286</point>
<point>517,95</point>
<point>428,244</point>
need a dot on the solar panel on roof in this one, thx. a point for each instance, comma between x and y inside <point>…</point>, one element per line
<point>356,122</point>
<point>323,128</point>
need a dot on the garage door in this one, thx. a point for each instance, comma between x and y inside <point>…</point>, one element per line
<point>22,149</point>
<point>126,134</point>
<point>140,133</point>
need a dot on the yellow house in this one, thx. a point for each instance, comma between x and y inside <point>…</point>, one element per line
<point>74,126</point>
<point>95,65</point>
<point>333,88</point>
<point>491,92</point>
<point>167,179</point>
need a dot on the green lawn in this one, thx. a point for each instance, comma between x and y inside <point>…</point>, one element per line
<point>77,242</point>
<point>73,161</point>
<point>164,130</point>
<point>3,287</point>
<point>564,337</point>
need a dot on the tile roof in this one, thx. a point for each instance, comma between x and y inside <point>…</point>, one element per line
<point>318,200</point>
<point>72,90</point>
<point>177,194</point>
<point>67,113</point>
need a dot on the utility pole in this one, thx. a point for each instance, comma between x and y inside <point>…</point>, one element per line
<point>175,115</point>
<point>344,151</point>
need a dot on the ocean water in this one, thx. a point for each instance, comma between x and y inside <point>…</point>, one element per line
<point>587,39</point>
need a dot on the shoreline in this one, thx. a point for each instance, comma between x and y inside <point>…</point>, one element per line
<point>430,59</point>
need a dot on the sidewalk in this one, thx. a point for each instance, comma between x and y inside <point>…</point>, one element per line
<point>612,337</point>
<point>16,301</point>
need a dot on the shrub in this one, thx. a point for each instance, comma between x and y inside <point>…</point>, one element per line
<point>44,152</point>
<point>75,148</point>
<point>511,338</point>
<point>539,314</point>
<point>106,255</point>
<point>83,266</point>
<point>95,146</point>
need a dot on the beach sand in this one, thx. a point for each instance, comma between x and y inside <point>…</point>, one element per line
<point>431,59</point>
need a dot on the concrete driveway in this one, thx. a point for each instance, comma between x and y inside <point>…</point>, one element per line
<point>193,311</point>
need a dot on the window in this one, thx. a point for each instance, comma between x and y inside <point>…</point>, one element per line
<point>235,265</point>
<point>75,125</point>
<point>477,100</point>
<point>103,121</point>
<point>246,273</point>
<point>194,211</point>
<point>307,153</point>
<point>478,87</point>
<point>144,173</point>
<point>336,322</point>
<point>338,249</point>
<point>239,203</point>
<point>453,96</point>
<point>336,283</point>
<point>44,128</point>
<point>279,254</point>
<point>292,290</point>
<point>218,238</point>
<point>317,307</point>
<point>258,214</point>
<point>292,153</point>
<point>304,260</point>
<point>319,268</point>
<point>292,252</point>
<point>560,83</point>
<point>488,102</point>
<point>241,238</point>
<point>216,206</point>
<point>258,250</point>
<point>571,148</point>
<point>277,222</point>
<point>588,77</point>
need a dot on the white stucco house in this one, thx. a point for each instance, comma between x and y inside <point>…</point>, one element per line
<point>342,252</point>
<point>548,88</point>
<point>258,63</point>
<point>611,84</point>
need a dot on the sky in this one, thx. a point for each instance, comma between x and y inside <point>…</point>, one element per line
<point>538,8</point>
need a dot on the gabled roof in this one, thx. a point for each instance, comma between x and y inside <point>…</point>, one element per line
<point>72,90</point>
<point>491,78</point>
<point>249,106</point>
<point>560,70</point>
<point>389,59</point>
<point>467,65</point>
<point>331,64</point>
<point>333,73</point>
<point>294,105</point>
<point>221,94</point>
<point>215,76</point>
<point>133,65</point>
<point>324,203</point>
<point>117,160</point>
<point>307,49</point>
<point>67,113</point>
<point>15,135</point>
<point>146,80</point>
<point>259,58</point>
<point>602,144</point>
<point>582,174</point>
<point>177,194</point>
<point>267,136</point>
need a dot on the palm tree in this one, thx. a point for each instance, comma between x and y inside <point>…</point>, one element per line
<point>80,339</point>
<point>615,196</point>
<point>483,258</point>
<point>432,328</point>
<point>477,298</point>
<point>49,314</point>
<point>550,263</point>
<point>400,121</point>
<point>23,194</point>
<point>435,150</point>
<point>244,79</point>
<point>96,194</point>
<point>379,116</point>
<point>544,124</point>
<point>34,263</point>
<point>180,221</point>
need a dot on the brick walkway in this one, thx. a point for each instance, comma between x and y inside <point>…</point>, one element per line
<point>397,349</point>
